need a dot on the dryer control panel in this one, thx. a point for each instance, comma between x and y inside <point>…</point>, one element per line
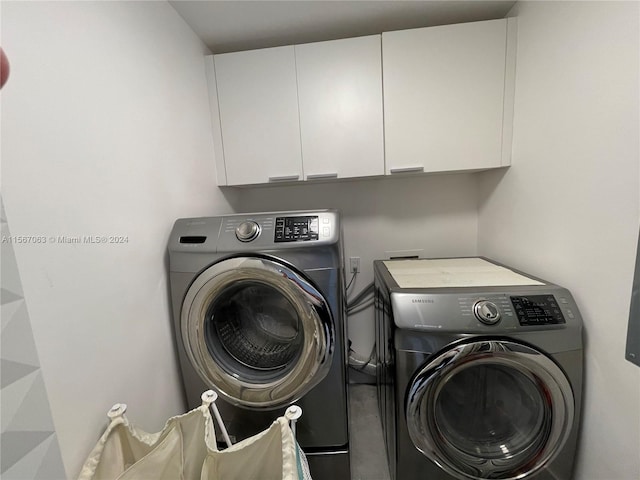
<point>278,230</point>
<point>256,232</point>
<point>298,229</point>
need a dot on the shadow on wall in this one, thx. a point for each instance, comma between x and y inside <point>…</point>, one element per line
<point>436,214</point>
<point>404,197</point>
<point>29,442</point>
<point>489,181</point>
<point>30,446</point>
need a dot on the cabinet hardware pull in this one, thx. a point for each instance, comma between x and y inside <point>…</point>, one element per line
<point>284,178</point>
<point>407,170</point>
<point>317,176</point>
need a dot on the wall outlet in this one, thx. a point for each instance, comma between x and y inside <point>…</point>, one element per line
<point>354,264</point>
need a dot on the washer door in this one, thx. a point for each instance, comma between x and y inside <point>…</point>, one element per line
<point>257,331</point>
<point>490,409</point>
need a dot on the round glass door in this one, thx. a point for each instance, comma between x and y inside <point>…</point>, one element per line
<point>257,331</point>
<point>490,409</point>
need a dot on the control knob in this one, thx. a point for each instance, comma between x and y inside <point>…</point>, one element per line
<point>247,231</point>
<point>487,312</point>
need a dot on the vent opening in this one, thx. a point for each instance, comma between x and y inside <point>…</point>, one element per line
<point>193,239</point>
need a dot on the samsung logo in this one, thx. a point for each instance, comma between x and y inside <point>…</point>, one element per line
<point>422,300</point>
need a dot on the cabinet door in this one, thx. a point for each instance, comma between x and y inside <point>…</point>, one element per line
<point>443,97</point>
<point>340,101</point>
<point>258,106</point>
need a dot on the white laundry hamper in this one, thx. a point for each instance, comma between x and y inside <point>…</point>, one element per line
<point>185,449</point>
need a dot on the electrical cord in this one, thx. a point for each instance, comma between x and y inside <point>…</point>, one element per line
<point>361,296</point>
<point>354,360</point>
<point>369,300</point>
<point>353,277</point>
<point>360,308</point>
<point>362,301</point>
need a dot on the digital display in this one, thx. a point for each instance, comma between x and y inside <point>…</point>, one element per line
<point>537,310</point>
<point>296,229</point>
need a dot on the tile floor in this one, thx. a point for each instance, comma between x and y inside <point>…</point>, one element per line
<point>368,455</point>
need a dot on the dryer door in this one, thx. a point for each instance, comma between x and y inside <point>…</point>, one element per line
<point>489,409</point>
<point>257,331</point>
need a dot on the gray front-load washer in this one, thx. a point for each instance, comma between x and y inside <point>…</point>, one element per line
<point>258,310</point>
<point>479,373</point>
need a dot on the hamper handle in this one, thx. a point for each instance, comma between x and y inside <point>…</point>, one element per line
<point>209,400</point>
<point>293,413</point>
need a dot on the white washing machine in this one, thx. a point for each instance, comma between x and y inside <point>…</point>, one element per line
<point>258,310</point>
<point>479,373</point>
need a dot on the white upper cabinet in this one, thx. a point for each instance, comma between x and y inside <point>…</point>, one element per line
<point>258,116</point>
<point>448,96</point>
<point>340,103</point>
<point>423,100</point>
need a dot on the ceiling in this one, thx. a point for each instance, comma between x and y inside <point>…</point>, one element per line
<point>229,26</point>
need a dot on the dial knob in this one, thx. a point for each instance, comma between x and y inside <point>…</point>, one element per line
<point>487,312</point>
<point>247,231</point>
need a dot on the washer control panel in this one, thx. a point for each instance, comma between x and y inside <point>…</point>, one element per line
<point>488,309</point>
<point>487,312</point>
<point>483,312</point>
<point>537,310</point>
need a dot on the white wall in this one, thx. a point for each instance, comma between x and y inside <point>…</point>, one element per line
<point>105,131</point>
<point>568,208</point>
<point>436,214</point>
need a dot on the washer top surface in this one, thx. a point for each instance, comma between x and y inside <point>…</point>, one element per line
<point>454,272</point>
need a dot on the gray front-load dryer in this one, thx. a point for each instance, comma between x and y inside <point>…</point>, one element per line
<point>480,371</point>
<point>258,310</point>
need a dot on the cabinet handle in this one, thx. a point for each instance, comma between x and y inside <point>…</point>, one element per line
<point>407,170</point>
<point>317,176</point>
<point>284,178</point>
